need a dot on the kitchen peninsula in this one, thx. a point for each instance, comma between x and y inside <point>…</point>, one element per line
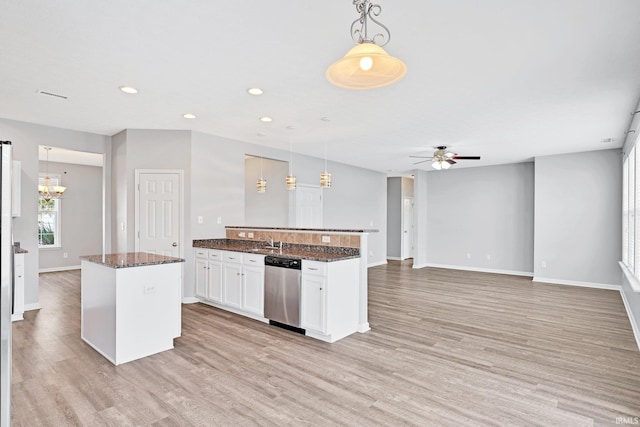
<point>130,304</point>
<point>230,274</point>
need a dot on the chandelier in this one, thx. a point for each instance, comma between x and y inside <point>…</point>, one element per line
<point>48,191</point>
<point>367,65</point>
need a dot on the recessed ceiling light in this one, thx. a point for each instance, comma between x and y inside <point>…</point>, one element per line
<point>325,119</point>
<point>291,127</point>
<point>261,134</point>
<point>266,119</point>
<point>255,91</point>
<point>189,116</point>
<point>128,89</point>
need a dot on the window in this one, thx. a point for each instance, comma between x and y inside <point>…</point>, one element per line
<point>631,217</point>
<point>49,217</point>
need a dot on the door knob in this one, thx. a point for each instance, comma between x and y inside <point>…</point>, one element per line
<point>174,244</point>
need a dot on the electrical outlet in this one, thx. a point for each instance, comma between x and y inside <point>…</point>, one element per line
<point>200,220</point>
<point>242,234</point>
<point>250,235</point>
<point>326,239</point>
<point>468,255</point>
<point>149,288</point>
<point>219,220</point>
<point>122,226</point>
<point>488,257</point>
<point>65,255</point>
<point>543,264</point>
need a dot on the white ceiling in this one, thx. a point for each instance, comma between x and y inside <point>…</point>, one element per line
<point>504,79</point>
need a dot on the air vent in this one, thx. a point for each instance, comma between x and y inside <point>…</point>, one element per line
<point>55,95</point>
<point>607,140</point>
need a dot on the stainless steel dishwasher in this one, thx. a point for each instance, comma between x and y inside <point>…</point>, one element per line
<point>282,292</point>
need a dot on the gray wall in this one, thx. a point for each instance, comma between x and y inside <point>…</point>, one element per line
<point>81,215</point>
<point>26,138</point>
<point>482,218</point>
<point>357,198</point>
<point>394,217</point>
<point>270,208</point>
<point>578,217</point>
<point>420,220</point>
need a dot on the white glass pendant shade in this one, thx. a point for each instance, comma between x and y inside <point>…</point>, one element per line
<point>366,66</point>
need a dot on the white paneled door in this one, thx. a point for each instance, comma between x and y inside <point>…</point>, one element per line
<point>158,212</point>
<point>308,207</point>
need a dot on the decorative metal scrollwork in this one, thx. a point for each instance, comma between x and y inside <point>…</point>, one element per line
<point>367,12</point>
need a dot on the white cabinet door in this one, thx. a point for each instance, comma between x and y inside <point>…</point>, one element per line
<point>232,285</point>
<point>215,281</point>
<point>313,303</point>
<point>253,290</point>
<point>202,276</point>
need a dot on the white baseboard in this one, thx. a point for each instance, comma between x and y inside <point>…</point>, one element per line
<point>632,320</point>
<point>418,266</point>
<point>477,269</point>
<point>190,300</point>
<point>396,258</point>
<point>54,269</point>
<point>576,283</point>
<point>376,264</point>
<point>34,306</point>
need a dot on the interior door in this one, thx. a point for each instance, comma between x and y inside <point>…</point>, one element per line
<point>407,228</point>
<point>158,212</point>
<point>308,207</point>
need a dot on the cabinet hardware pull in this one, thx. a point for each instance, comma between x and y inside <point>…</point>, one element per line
<point>312,268</point>
<point>252,260</point>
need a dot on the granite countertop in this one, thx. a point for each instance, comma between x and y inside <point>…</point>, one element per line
<point>293,251</point>
<point>130,259</point>
<point>313,230</point>
<point>17,250</point>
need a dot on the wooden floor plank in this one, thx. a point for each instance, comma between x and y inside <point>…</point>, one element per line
<point>446,348</point>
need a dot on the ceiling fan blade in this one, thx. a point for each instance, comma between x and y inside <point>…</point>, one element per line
<point>451,162</point>
<point>466,157</point>
<point>422,161</point>
<point>422,157</point>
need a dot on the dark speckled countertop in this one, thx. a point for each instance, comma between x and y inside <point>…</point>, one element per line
<point>130,259</point>
<point>314,230</point>
<point>294,251</point>
<point>18,250</point>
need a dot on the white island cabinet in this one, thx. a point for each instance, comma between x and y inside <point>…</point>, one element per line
<point>131,304</point>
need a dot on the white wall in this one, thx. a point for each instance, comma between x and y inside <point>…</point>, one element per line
<point>578,217</point>
<point>26,138</point>
<point>81,215</point>
<point>481,218</point>
<point>420,222</point>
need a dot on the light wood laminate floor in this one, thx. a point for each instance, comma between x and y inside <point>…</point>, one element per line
<point>446,348</point>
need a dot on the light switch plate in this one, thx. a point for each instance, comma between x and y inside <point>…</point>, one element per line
<point>326,239</point>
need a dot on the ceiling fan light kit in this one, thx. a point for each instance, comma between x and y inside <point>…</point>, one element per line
<point>367,65</point>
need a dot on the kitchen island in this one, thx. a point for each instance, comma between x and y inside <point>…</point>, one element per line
<point>130,304</point>
<point>231,275</point>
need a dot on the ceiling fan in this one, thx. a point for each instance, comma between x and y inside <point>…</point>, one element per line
<point>443,159</point>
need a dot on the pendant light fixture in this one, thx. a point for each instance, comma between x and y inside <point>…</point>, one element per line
<point>48,191</point>
<point>367,65</point>
<point>325,177</point>
<point>290,180</point>
<point>262,183</point>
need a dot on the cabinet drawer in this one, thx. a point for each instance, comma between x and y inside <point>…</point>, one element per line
<point>202,253</point>
<point>314,267</point>
<point>232,257</point>
<point>253,259</point>
<point>215,254</point>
